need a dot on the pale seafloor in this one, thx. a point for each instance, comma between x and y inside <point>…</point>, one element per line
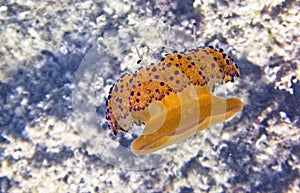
<point>53,137</point>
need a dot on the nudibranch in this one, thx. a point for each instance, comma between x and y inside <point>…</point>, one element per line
<point>173,98</point>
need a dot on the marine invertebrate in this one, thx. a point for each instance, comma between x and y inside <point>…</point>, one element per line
<point>173,98</point>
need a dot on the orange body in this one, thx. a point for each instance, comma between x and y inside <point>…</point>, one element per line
<point>173,98</point>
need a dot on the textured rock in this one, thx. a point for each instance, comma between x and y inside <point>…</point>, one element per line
<point>43,44</point>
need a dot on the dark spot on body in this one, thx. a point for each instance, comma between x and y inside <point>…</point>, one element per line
<point>205,51</point>
<point>116,88</point>
<point>227,61</point>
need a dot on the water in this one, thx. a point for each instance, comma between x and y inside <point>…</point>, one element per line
<point>59,60</point>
